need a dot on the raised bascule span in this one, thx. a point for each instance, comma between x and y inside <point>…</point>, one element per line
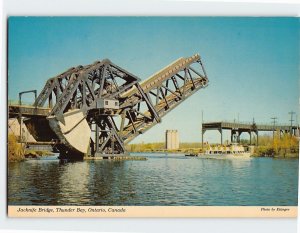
<point>99,108</point>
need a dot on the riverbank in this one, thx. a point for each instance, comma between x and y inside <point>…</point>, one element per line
<point>289,155</point>
<point>285,146</point>
<point>159,147</point>
<point>276,152</point>
<point>17,151</point>
<point>116,158</point>
<point>36,153</point>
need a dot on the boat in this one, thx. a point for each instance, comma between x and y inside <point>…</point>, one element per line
<point>220,152</point>
<point>191,155</point>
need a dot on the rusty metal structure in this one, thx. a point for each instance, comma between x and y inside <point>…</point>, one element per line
<point>97,109</point>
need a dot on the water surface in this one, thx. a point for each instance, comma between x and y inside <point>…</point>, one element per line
<point>160,180</point>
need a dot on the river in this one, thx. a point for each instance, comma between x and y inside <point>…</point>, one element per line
<point>161,180</point>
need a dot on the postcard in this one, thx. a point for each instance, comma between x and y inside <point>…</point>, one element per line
<point>153,116</point>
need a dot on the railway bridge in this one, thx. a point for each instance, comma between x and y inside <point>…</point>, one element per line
<point>238,128</point>
<point>98,108</point>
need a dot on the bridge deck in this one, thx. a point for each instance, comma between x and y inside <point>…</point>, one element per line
<point>163,74</point>
<point>245,126</point>
<point>27,110</point>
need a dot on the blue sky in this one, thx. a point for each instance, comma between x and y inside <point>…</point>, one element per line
<point>252,63</point>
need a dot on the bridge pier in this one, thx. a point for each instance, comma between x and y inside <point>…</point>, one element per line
<point>256,132</point>
<point>221,132</point>
<point>239,136</point>
<point>250,137</point>
<point>235,135</point>
<point>96,137</point>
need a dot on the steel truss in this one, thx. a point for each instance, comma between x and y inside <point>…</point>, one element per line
<point>141,105</point>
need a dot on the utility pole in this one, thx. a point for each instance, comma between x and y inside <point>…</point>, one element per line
<point>291,120</point>
<point>274,121</point>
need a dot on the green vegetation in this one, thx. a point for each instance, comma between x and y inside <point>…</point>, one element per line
<point>15,150</point>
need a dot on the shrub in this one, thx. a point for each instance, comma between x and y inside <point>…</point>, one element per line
<point>15,150</point>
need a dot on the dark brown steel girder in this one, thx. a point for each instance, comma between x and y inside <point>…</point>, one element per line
<point>141,105</point>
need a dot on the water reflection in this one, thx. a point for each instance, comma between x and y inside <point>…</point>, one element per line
<point>161,180</point>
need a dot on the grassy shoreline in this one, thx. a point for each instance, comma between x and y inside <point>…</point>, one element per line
<point>17,151</point>
<point>285,146</point>
<point>279,147</point>
<point>36,153</point>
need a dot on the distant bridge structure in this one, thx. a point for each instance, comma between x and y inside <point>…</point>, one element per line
<point>97,109</point>
<point>237,128</point>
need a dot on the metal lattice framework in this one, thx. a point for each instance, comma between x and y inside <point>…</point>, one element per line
<point>140,105</point>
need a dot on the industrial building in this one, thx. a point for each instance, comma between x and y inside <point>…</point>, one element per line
<point>172,140</point>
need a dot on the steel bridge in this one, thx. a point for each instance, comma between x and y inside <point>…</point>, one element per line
<point>237,128</point>
<point>97,109</point>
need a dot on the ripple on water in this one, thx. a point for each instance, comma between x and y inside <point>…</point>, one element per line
<point>160,180</point>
